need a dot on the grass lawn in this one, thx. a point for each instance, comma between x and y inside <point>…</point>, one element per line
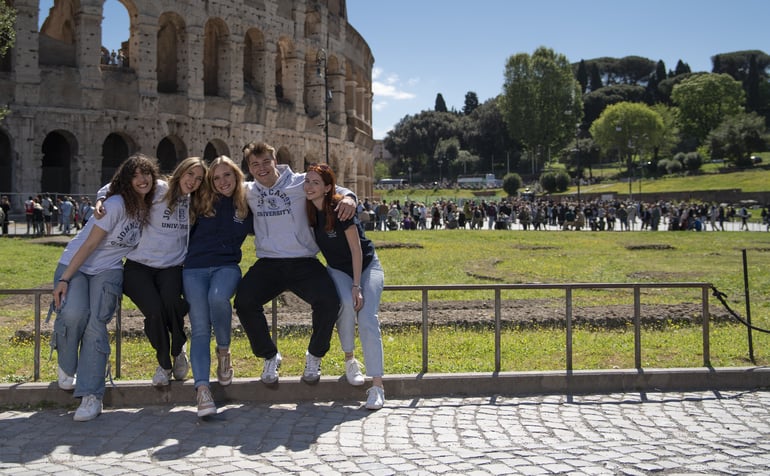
<point>472,257</point>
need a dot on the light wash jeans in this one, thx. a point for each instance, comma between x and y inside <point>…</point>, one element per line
<point>372,281</point>
<point>80,334</point>
<point>208,292</point>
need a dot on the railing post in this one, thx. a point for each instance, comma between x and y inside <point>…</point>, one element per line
<point>637,327</point>
<point>568,298</point>
<point>424,331</point>
<point>498,306</point>
<point>37,336</point>
<point>706,317</point>
<point>118,338</point>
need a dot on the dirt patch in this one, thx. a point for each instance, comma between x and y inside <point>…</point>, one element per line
<point>294,313</point>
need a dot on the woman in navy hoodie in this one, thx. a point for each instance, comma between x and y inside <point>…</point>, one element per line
<point>211,273</point>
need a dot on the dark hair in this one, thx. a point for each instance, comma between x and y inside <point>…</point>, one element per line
<point>331,198</point>
<point>136,207</point>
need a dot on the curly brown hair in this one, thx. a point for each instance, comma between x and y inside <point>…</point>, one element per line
<point>137,207</point>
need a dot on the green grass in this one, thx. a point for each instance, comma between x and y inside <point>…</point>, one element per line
<point>474,257</point>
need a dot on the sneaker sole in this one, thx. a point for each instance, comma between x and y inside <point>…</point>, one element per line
<point>207,412</point>
<point>311,380</point>
<point>86,418</point>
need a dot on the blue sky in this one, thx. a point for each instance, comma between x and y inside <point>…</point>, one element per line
<point>425,47</point>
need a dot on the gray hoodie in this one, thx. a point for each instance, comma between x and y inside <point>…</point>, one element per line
<point>281,229</point>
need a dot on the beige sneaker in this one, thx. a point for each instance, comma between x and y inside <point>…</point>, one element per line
<point>224,369</point>
<point>206,405</point>
<point>181,365</point>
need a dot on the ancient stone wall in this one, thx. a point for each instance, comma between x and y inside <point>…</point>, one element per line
<point>194,78</point>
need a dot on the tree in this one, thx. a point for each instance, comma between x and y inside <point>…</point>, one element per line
<point>682,68</point>
<point>596,101</point>
<point>440,104</point>
<point>414,139</point>
<point>511,184</point>
<point>541,100</point>
<point>705,100</point>
<point>736,137</point>
<point>630,128</point>
<point>582,76</point>
<point>596,78</point>
<point>7,36</point>
<point>486,134</point>
<point>471,103</point>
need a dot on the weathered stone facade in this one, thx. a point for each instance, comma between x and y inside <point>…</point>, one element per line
<point>199,78</point>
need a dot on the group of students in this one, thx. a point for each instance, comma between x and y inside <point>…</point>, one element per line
<point>181,239</point>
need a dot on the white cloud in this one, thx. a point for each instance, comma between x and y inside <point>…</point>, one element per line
<point>390,87</point>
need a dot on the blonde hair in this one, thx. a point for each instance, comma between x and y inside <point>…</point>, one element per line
<point>209,195</point>
<point>175,189</point>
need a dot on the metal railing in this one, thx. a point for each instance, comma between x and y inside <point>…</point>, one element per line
<point>496,289</point>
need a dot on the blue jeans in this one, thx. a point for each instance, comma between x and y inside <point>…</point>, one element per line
<point>372,281</point>
<point>80,334</point>
<point>208,292</point>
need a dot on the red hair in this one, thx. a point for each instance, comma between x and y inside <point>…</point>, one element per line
<point>331,198</point>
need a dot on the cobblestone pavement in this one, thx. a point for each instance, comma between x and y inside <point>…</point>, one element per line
<point>632,433</point>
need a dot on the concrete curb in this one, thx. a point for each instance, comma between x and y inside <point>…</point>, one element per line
<point>291,389</point>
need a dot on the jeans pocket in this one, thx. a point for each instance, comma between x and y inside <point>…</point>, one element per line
<point>108,302</point>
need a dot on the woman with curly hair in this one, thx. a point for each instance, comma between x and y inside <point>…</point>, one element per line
<point>221,221</point>
<point>88,281</point>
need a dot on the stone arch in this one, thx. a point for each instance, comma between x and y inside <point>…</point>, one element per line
<point>214,149</point>
<point>216,58</point>
<point>283,83</point>
<point>6,162</point>
<point>313,25</point>
<point>116,148</point>
<point>57,45</point>
<point>283,156</point>
<point>111,24</point>
<point>313,90</point>
<point>254,55</point>
<point>171,64</point>
<point>171,150</point>
<point>59,149</point>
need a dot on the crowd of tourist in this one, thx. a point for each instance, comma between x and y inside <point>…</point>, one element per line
<point>555,214</point>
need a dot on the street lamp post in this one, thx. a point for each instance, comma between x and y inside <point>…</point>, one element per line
<point>577,156</point>
<point>321,60</point>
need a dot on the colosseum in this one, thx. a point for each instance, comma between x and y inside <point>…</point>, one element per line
<point>193,78</point>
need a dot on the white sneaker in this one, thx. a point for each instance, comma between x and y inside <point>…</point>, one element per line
<point>312,371</point>
<point>206,405</point>
<point>90,408</point>
<point>353,373</point>
<point>66,382</point>
<point>224,367</point>
<point>181,365</point>
<point>161,377</point>
<point>375,398</point>
<point>270,371</point>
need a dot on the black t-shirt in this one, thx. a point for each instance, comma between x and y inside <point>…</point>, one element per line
<point>334,245</point>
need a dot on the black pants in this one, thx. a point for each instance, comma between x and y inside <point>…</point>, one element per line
<point>158,294</point>
<point>269,277</point>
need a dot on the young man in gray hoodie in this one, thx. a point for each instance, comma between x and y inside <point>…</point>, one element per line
<point>286,260</point>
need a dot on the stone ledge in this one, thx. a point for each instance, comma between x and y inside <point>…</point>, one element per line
<point>133,393</point>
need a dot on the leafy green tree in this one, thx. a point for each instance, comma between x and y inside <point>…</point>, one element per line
<point>682,68</point>
<point>440,104</point>
<point>414,138</point>
<point>471,103</point>
<point>541,101</point>
<point>486,134</point>
<point>736,137</point>
<point>705,100</point>
<point>596,78</point>
<point>632,129</point>
<point>553,182</point>
<point>582,76</point>
<point>596,101</point>
<point>511,184</point>
<point>7,36</point>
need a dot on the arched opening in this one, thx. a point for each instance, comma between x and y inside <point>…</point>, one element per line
<point>171,46</point>
<point>115,34</point>
<point>283,156</point>
<point>57,32</point>
<point>6,163</point>
<point>170,152</point>
<point>58,151</point>
<point>254,61</point>
<point>216,59</point>
<point>214,149</point>
<point>115,150</point>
